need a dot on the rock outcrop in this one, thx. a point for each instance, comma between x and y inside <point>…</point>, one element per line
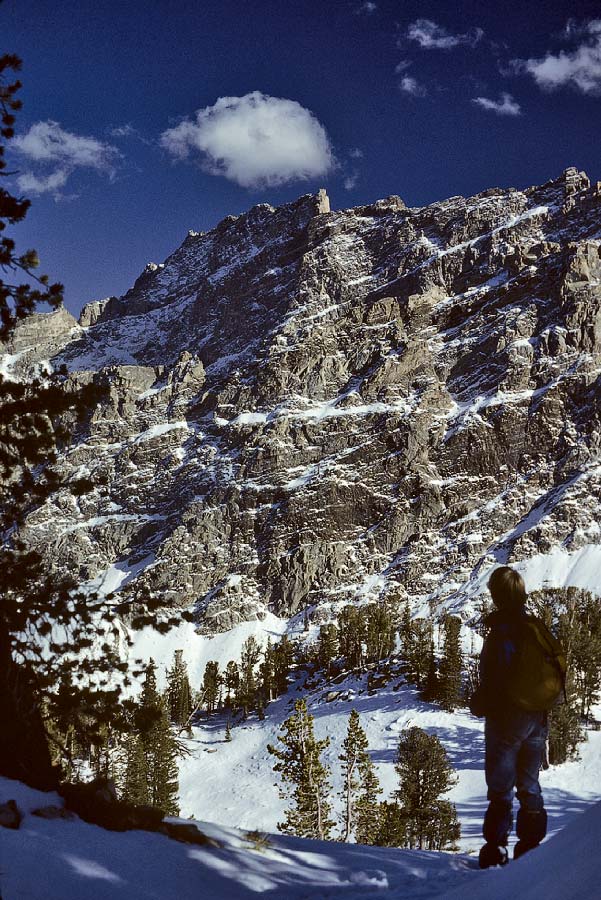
<point>307,407</point>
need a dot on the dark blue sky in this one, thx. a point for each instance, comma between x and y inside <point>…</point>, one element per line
<point>391,86</point>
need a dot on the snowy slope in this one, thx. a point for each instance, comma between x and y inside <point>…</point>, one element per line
<point>71,860</point>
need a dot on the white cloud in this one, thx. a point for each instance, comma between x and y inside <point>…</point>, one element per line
<point>505,106</point>
<point>412,86</point>
<point>34,185</point>
<point>47,142</point>
<point>351,181</point>
<point>254,140</point>
<point>367,7</point>
<point>402,66</point>
<point>431,36</point>
<point>356,153</point>
<point>579,68</point>
<point>56,153</point>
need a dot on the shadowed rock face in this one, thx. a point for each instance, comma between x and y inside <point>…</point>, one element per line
<point>306,407</point>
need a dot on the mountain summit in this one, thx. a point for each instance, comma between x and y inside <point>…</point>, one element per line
<point>308,406</point>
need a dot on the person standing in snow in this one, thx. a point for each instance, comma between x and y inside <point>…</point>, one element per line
<point>515,737</point>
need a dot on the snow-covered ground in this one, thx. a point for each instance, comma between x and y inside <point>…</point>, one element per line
<point>71,860</point>
<point>233,783</point>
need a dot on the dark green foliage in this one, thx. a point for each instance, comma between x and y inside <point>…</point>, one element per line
<point>419,653</point>
<point>17,300</point>
<point>247,689</point>
<point>306,781</point>
<point>267,686</point>
<point>392,825</point>
<point>380,631</point>
<point>283,659</point>
<point>424,775</point>
<point>135,776</point>
<point>211,683</point>
<point>159,746</point>
<point>449,691</point>
<point>327,647</point>
<point>360,786</point>
<point>231,681</point>
<point>351,636</point>
<point>179,694</point>
<point>574,617</point>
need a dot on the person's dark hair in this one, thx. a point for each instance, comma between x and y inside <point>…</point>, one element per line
<point>507,588</point>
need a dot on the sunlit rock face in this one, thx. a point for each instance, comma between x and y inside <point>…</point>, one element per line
<point>306,408</point>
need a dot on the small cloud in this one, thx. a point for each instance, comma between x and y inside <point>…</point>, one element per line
<point>34,185</point>
<point>412,86</point>
<point>356,153</point>
<point>253,140</point>
<point>505,106</point>
<point>431,36</point>
<point>123,131</point>
<point>368,8</point>
<point>47,142</point>
<point>579,68</point>
<point>350,181</point>
<point>47,145</point>
<point>402,66</point>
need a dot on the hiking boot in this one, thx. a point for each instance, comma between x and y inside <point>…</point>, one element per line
<point>491,855</point>
<point>522,847</point>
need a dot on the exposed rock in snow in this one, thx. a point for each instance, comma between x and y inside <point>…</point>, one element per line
<point>341,405</point>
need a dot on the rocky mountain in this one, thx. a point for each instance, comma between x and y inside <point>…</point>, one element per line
<point>306,407</point>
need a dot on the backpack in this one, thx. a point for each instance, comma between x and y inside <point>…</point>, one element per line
<point>537,676</point>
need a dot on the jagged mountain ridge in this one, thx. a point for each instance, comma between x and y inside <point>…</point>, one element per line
<point>309,407</point>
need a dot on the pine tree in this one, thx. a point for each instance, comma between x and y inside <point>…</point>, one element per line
<point>52,635</point>
<point>351,636</point>
<point>380,632</point>
<point>283,659</point>
<point>360,787</point>
<point>231,680</point>
<point>419,654</point>
<point>424,774</point>
<point>306,779</point>
<point>267,674</point>
<point>210,685</point>
<point>135,777</point>
<point>179,694</point>
<point>159,745</point>
<point>247,690</point>
<point>327,647</point>
<point>450,693</point>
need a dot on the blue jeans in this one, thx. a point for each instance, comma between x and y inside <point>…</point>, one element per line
<point>515,744</point>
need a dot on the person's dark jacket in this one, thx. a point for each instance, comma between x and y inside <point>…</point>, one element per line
<point>500,645</point>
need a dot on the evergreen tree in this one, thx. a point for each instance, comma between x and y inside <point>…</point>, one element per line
<point>231,680</point>
<point>283,659</point>
<point>135,776</point>
<point>451,665</point>
<point>306,779</point>
<point>247,690</point>
<point>179,694</point>
<point>58,658</point>
<point>159,746</point>
<point>360,786</point>
<point>351,636</point>
<point>327,647</point>
<point>210,685</point>
<point>424,774</point>
<point>419,655</point>
<point>267,673</point>
<point>380,632</point>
